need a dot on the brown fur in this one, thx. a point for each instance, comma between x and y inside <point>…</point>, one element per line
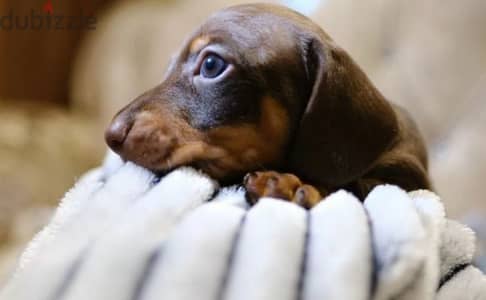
<point>290,100</point>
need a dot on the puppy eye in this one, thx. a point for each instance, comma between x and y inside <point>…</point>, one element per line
<point>212,66</point>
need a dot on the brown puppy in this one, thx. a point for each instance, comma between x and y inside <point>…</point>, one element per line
<point>260,87</point>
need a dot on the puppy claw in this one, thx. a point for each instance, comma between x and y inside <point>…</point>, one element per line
<point>248,177</point>
<point>307,196</point>
<point>300,197</point>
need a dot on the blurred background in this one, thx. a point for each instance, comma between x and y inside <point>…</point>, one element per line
<point>60,87</point>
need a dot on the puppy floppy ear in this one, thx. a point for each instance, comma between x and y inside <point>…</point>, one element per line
<point>346,123</point>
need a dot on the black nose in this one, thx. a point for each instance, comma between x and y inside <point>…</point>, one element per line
<point>117,132</point>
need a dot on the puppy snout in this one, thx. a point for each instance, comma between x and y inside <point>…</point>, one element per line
<point>144,139</point>
<point>117,132</point>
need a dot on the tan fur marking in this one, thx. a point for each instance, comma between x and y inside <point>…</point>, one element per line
<point>222,151</point>
<point>198,43</point>
<point>249,146</point>
<point>273,121</point>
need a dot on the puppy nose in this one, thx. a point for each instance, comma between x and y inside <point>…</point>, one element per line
<point>117,132</point>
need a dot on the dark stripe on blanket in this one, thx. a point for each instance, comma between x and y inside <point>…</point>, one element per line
<point>452,272</point>
<point>71,273</point>
<point>305,255</point>
<point>147,272</point>
<point>214,194</point>
<point>156,255</point>
<point>231,258</point>
<point>373,260</point>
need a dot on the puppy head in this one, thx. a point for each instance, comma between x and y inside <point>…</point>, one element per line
<point>244,93</point>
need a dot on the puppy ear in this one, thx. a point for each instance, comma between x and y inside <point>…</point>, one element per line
<point>346,123</point>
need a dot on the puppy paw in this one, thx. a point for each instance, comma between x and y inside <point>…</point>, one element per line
<point>280,185</point>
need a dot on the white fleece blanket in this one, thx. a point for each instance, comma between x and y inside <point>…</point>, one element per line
<point>121,234</point>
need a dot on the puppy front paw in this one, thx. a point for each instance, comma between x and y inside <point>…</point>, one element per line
<point>280,185</point>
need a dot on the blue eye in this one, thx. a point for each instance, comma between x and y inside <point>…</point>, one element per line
<point>212,66</point>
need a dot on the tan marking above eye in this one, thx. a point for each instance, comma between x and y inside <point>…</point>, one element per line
<point>198,43</point>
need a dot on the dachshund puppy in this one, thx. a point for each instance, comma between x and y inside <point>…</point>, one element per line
<point>261,90</point>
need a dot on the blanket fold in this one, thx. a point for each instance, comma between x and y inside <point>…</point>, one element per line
<point>119,233</point>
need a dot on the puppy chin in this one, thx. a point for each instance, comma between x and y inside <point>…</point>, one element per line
<point>161,170</point>
<point>165,168</point>
<point>214,161</point>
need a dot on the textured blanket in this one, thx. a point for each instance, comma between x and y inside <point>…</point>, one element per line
<point>120,233</point>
